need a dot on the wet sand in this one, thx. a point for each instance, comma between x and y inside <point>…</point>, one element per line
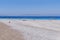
<point>6,33</point>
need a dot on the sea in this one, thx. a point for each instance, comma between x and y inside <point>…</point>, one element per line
<point>32,17</point>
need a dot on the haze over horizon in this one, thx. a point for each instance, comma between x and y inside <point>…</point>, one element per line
<point>29,7</point>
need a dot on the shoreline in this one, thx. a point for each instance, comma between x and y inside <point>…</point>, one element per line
<point>36,23</point>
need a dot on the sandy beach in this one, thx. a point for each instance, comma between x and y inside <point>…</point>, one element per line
<point>29,29</point>
<point>6,33</point>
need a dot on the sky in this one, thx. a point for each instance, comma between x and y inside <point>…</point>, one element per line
<point>29,7</point>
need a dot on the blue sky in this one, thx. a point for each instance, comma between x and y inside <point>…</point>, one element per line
<point>29,7</point>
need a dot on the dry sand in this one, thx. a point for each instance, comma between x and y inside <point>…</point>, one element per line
<point>7,33</point>
<point>34,30</point>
